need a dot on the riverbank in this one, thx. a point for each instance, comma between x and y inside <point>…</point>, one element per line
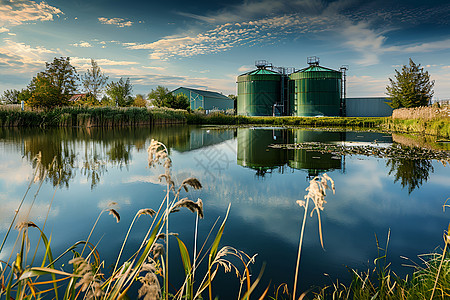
<point>429,121</point>
<point>91,117</point>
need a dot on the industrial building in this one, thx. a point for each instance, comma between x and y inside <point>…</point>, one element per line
<point>309,92</point>
<point>205,99</point>
<point>368,107</point>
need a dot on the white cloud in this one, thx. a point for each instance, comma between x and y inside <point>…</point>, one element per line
<point>119,22</point>
<point>22,57</point>
<point>3,29</point>
<point>19,12</point>
<point>245,68</point>
<point>224,37</point>
<point>82,44</point>
<point>85,63</point>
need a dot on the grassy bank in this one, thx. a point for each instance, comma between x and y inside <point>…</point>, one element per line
<point>438,127</point>
<point>90,117</point>
<point>406,121</point>
<point>221,119</point>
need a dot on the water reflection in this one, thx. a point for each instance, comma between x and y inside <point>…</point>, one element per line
<point>412,173</point>
<point>103,148</point>
<point>253,150</point>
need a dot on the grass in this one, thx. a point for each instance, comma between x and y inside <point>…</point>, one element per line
<point>439,127</point>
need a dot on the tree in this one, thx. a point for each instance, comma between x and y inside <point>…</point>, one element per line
<point>162,97</point>
<point>120,92</point>
<point>411,87</point>
<point>58,80</point>
<point>234,97</point>
<point>10,97</point>
<point>94,80</point>
<point>139,101</point>
<point>44,94</point>
<point>159,95</point>
<point>179,101</point>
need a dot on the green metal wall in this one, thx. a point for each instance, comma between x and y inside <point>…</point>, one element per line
<point>315,91</point>
<point>197,100</point>
<point>258,91</point>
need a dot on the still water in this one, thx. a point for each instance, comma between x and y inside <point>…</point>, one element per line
<point>97,166</point>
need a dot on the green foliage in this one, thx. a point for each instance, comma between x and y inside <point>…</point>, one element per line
<point>120,92</point>
<point>10,97</point>
<point>94,80</point>
<point>162,97</point>
<point>411,87</point>
<point>44,94</point>
<point>54,86</point>
<point>179,101</point>
<point>158,96</point>
<point>139,101</point>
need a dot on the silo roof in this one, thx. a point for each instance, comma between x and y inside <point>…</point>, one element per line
<point>261,72</point>
<point>317,69</point>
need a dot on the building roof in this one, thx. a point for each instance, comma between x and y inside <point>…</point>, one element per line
<point>207,94</point>
<point>77,97</point>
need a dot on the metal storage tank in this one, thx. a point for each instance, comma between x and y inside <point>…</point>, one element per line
<point>315,91</point>
<point>258,92</point>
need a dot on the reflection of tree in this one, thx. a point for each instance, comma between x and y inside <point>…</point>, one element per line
<point>411,172</point>
<point>57,158</point>
<point>119,153</point>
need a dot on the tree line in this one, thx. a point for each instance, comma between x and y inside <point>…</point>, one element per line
<point>57,85</point>
<point>59,82</point>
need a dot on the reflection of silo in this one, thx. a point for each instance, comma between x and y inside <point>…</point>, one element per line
<point>315,91</point>
<point>314,161</point>
<point>258,92</point>
<point>253,150</point>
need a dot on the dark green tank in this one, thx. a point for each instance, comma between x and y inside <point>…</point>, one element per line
<point>315,91</point>
<point>258,91</point>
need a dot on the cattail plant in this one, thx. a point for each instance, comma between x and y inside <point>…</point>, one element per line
<point>316,193</point>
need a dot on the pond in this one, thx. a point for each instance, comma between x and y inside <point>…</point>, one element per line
<point>375,197</point>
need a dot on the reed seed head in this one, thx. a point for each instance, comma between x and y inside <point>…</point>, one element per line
<point>114,213</point>
<point>146,211</point>
<point>191,205</point>
<point>191,181</point>
<point>23,225</point>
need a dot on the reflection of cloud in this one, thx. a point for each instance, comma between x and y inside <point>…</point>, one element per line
<point>37,213</point>
<point>15,173</point>
<point>19,12</point>
<point>107,203</point>
<point>119,22</point>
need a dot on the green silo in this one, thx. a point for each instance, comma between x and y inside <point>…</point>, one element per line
<point>258,92</point>
<point>315,91</point>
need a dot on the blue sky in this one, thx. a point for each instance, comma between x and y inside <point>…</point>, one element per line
<point>206,44</point>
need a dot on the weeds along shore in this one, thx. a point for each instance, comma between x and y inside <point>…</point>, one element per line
<point>423,121</point>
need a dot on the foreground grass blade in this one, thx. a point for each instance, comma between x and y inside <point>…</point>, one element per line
<point>187,268</point>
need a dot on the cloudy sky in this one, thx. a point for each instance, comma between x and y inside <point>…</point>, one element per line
<point>206,44</point>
